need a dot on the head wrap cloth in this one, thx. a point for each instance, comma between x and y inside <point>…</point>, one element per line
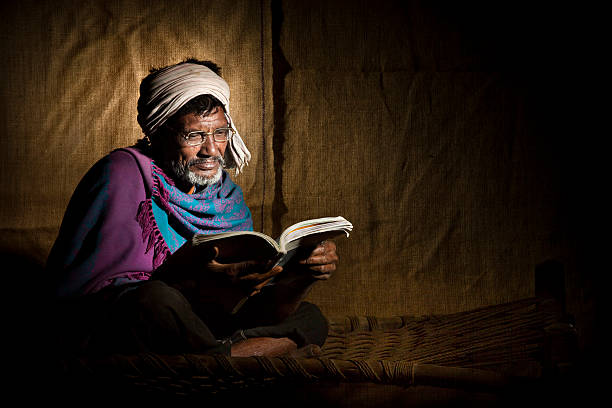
<point>163,93</point>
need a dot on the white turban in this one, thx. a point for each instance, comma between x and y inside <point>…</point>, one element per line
<point>163,93</point>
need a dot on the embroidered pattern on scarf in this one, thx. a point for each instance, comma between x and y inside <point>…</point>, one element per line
<point>218,208</point>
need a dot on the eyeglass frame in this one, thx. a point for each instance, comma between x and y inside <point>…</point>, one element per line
<point>204,135</point>
<point>184,135</point>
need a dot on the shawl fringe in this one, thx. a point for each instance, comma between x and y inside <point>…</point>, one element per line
<point>151,234</point>
<point>158,189</point>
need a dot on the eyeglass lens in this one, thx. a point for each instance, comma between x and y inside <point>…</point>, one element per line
<point>199,137</point>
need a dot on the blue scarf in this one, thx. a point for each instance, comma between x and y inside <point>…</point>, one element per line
<point>178,216</point>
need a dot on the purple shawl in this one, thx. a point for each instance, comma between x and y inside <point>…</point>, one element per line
<point>126,216</point>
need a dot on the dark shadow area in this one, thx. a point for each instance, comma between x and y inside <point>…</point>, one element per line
<point>571,372</point>
<point>280,70</point>
<point>26,293</point>
<point>26,326</point>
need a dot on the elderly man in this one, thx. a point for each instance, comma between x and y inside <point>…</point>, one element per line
<point>138,205</point>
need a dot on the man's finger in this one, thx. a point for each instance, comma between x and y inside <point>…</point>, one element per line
<point>323,247</point>
<point>322,269</point>
<point>319,250</point>
<point>211,253</point>
<point>258,276</point>
<point>328,245</point>
<point>234,270</point>
<point>247,268</point>
<point>321,259</point>
<point>259,286</point>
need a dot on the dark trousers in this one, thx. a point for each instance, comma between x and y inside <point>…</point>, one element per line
<point>155,317</point>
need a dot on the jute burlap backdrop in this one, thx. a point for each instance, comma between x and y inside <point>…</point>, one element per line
<point>71,77</point>
<point>387,115</point>
<point>393,121</point>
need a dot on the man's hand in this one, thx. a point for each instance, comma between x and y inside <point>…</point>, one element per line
<point>308,267</point>
<point>251,275</point>
<point>322,260</point>
<point>212,282</point>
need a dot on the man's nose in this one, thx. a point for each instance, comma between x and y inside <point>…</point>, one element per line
<point>209,147</point>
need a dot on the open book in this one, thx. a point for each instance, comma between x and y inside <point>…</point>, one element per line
<point>239,246</point>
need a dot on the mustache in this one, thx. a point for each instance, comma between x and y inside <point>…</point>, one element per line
<point>196,161</point>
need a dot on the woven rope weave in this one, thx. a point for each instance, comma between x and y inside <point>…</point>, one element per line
<point>480,349</point>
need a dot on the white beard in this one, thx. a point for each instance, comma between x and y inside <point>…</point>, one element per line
<point>201,181</point>
<point>182,172</point>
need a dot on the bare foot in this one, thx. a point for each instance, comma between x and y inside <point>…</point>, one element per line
<point>263,346</point>
<point>309,350</point>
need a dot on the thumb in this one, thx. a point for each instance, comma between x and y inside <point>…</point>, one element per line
<point>246,267</point>
<point>211,253</point>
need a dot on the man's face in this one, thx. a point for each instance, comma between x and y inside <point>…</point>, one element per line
<point>200,165</point>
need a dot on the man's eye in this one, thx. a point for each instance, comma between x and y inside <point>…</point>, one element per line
<point>194,136</point>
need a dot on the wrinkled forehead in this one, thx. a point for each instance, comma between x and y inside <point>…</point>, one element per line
<point>193,121</point>
<point>185,121</point>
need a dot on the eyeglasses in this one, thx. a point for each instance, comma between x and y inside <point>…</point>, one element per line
<point>199,137</point>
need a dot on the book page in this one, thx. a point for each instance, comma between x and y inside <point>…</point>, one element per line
<point>311,232</point>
